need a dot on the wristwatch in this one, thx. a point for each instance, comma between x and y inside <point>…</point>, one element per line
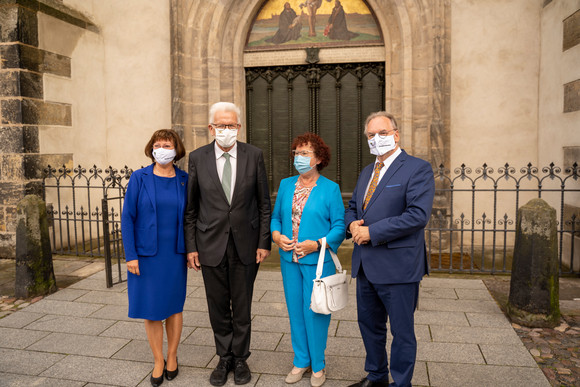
<point>319,245</point>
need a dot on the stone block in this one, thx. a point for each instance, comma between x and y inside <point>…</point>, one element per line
<point>534,285</point>
<point>474,335</point>
<point>31,84</point>
<point>189,355</point>
<point>435,317</point>
<point>508,355</point>
<point>572,96</point>
<point>204,336</point>
<point>30,142</point>
<point>11,140</point>
<point>10,54</point>
<point>449,353</point>
<point>34,270</point>
<point>10,218</point>
<point>109,298</point>
<point>24,380</point>
<point>7,242</point>
<point>487,320</point>
<point>11,168</point>
<point>10,193</point>
<point>11,110</point>
<point>571,31</point>
<point>9,84</point>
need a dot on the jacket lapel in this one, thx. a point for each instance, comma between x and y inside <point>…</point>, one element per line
<point>242,161</point>
<point>364,181</point>
<point>212,170</point>
<point>397,163</point>
<point>149,184</point>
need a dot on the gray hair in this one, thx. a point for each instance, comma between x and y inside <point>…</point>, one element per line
<point>374,115</point>
<point>224,107</point>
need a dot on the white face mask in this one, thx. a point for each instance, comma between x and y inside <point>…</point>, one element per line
<point>379,145</point>
<point>164,156</point>
<point>226,137</point>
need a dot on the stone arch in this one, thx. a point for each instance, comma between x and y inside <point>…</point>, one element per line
<point>208,41</point>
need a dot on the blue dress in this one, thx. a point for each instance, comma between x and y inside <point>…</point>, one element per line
<point>159,291</point>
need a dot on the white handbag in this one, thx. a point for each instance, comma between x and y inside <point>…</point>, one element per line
<point>329,294</point>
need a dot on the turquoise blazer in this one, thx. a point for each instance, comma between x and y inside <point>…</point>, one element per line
<point>323,216</point>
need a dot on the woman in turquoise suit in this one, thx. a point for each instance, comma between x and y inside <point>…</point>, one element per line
<point>153,238</point>
<point>308,208</point>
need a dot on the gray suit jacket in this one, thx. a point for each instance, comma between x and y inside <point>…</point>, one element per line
<point>209,218</point>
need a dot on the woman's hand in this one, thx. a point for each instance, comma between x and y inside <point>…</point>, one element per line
<point>133,267</point>
<point>305,248</point>
<point>282,241</point>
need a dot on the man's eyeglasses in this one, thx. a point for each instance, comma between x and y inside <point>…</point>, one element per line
<point>383,132</point>
<point>226,126</point>
<point>301,153</point>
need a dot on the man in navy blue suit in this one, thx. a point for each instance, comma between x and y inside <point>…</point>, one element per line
<point>386,218</point>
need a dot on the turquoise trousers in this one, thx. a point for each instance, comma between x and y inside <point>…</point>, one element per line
<point>309,330</point>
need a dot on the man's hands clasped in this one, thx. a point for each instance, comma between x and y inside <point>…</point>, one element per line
<point>360,233</point>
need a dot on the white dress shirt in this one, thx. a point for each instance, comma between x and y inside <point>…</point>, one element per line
<point>220,161</point>
<point>389,160</point>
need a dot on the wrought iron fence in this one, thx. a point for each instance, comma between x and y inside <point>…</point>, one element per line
<point>475,230</point>
<point>84,212</point>
<point>472,228</point>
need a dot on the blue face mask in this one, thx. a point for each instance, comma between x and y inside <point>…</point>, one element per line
<point>302,164</point>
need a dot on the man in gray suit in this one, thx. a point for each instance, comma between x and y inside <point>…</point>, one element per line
<point>227,235</point>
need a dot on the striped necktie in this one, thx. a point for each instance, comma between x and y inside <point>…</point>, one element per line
<point>227,177</point>
<point>374,183</point>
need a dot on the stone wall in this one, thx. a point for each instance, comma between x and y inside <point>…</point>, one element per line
<point>24,108</point>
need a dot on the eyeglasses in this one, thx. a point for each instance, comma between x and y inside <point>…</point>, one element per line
<point>301,153</point>
<point>226,126</point>
<point>383,132</point>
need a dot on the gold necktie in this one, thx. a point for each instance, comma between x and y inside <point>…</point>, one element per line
<point>373,186</point>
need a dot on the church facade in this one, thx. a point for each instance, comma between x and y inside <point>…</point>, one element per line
<point>86,82</point>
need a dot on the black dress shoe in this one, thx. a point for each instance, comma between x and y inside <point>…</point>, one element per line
<point>369,383</point>
<point>170,375</point>
<point>155,382</point>
<point>219,375</point>
<point>242,374</point>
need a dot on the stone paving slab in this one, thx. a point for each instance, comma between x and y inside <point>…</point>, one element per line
<point>487,320</point>
<point>461,375</point>
<point>435,317</point>
<point>195,319</point>
<point>136,331</point>
<point>98,370</point>
<point>20,319</point>
<point>195,304</point>
<point>113,312</point>
<point>188,355</point>
<point>458,305</point>
<point>98,284</point>
<point>102,297</point>
<point>277,309</point>
<point>427,292</point>
<point>273,296</point>
<point>449,353</point>
<point>68,324</point>
<point>203,336</point>
<point>26,362</point>
<point>64,308</point>
<point>474,294</point>
<point>454,283</point>
<point>16,380</point>
<point>67,294</point>
<point>18,338</point>
<point>475,335</point>
<point>509,355</point>
<point>84,345</point>
<point>90,269</point>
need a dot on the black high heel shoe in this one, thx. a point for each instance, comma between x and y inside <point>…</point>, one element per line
<point>170,375</point>
<point>156,382</point>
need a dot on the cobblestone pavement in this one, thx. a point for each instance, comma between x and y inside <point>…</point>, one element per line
<point>557,351</point>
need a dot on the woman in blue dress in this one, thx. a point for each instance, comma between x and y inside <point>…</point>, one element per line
<point>152,228</point>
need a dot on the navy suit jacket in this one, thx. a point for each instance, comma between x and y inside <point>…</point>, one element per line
<point>396,216</point>
<point>139,218</point>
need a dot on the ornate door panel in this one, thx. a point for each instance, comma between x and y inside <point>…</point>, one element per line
<point>330,100</point>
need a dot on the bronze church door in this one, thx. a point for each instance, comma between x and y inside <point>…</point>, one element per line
<point>331,100</point>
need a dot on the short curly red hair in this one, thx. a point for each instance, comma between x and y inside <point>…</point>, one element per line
<point>321,150</point>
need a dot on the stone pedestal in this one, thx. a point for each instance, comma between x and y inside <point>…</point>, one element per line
<point>534,298</point>
<point>34,270</point>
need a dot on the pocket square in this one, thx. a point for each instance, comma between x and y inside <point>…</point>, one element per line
<point>394,185</point>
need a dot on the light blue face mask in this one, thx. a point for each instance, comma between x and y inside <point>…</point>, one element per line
<point>302,164</point>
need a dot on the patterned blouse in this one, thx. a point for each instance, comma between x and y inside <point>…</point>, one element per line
<point>299,200</point>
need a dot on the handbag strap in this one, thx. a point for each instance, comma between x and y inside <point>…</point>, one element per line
<point>321,259</point>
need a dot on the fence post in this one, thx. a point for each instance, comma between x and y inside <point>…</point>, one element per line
<point>107,242</point>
